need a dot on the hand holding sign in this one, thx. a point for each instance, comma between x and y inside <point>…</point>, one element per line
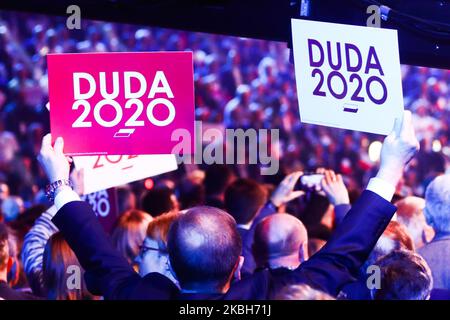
<point>347,76</point>
<point>121,103</point>
<point>120,169</point>
<point>398,149</point>
<point>53,160</point>
<point>91,170</point>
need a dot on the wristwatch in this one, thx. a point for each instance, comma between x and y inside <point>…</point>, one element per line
<point>52,189</point>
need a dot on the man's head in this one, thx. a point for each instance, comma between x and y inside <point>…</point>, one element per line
<point>395,237</point>
<point>437,204</point>
<point>158,201</point>
<point>243,199</point>
<point>410,214</point>
<point>405,275</point>
<point>204,249</point>
<point>280,240</point>
<point>126,199</point>
<point>217,179</point>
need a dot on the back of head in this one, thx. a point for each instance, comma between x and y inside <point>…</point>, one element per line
<point>158,228</point>
<point>190,193</point>
<point>12,207</point>
<point>410,214</point>
<point>125,198</point>
<point>395,237</point>
<point>243,199</point>
<point>158,201</point>
<point>61,268</point>
<point>316,210</point>
<point>405,275</point>
<point>217,179</point>
<point>278,236</point>
<point>410,209</point>
<point>204,248</point>
<point>130,232</point>
<point>437,204</point>
<point>301,292</point>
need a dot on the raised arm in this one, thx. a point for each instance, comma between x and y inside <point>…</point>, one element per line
<point>337,193</point>
<point>283,194</point>
<point>107,272</point>
<point>340,259</point>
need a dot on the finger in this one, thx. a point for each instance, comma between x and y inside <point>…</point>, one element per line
<point>327,177</point>
<point>332,176</point>
<point>46,142</point>
<point>69,159</point>
<point>407,125</point>
<point>59,145</point>
<point>324,183</point>
<point>397,127</point>
<point>295,176</point>
<point>339,178</point>
<point>294,195</point>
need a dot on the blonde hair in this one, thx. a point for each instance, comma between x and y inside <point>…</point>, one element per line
<point>129,233</point>
<point>57,258</point>
<point>158,228</point>
<point>302,292</point>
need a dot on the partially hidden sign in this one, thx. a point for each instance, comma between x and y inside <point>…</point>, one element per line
<point>105,206</point>
<point>106,171</point>
<point>347,76</point>
<point>120,103</point>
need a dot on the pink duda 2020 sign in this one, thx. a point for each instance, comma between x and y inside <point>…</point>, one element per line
<point>120,103</point>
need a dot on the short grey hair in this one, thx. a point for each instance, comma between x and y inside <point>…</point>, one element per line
<point>437,203</point>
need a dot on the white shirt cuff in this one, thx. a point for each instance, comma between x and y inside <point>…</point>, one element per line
<point>382,188</point>
<point>65,195</point>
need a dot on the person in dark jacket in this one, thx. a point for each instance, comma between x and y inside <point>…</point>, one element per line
<point>205,247</point>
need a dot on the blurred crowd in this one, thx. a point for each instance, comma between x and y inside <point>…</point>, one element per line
<point>239,83</point>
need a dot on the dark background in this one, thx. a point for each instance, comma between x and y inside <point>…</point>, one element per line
<point>423,25</point>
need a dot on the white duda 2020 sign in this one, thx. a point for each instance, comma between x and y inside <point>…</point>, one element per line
<point>347,76</point>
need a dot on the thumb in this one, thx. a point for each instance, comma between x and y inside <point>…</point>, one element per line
<point>293,195</point>
<point>59,145</point>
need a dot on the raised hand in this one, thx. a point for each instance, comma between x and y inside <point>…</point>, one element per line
<point>52,159</point>
<point>399,147</point>
<point>285,191</point>
<point>334,187</point>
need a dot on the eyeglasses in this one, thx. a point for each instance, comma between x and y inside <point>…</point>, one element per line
<point>143,249</point>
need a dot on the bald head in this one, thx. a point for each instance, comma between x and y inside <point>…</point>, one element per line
<point>204,247</point>
<point>280,237</point>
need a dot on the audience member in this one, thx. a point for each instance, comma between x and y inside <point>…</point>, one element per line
<point>129,233</point>
<point>154,254</point>
<point>405,275</point>
<point>410,214</point>
<point>159,200</point>
<point>437,214</point>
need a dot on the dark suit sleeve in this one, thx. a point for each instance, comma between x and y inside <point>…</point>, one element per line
<point>107,272</point>
<point>339,212</point>
<point>350,245</point>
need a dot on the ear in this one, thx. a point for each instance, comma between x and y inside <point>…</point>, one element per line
<point>237,270</point>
